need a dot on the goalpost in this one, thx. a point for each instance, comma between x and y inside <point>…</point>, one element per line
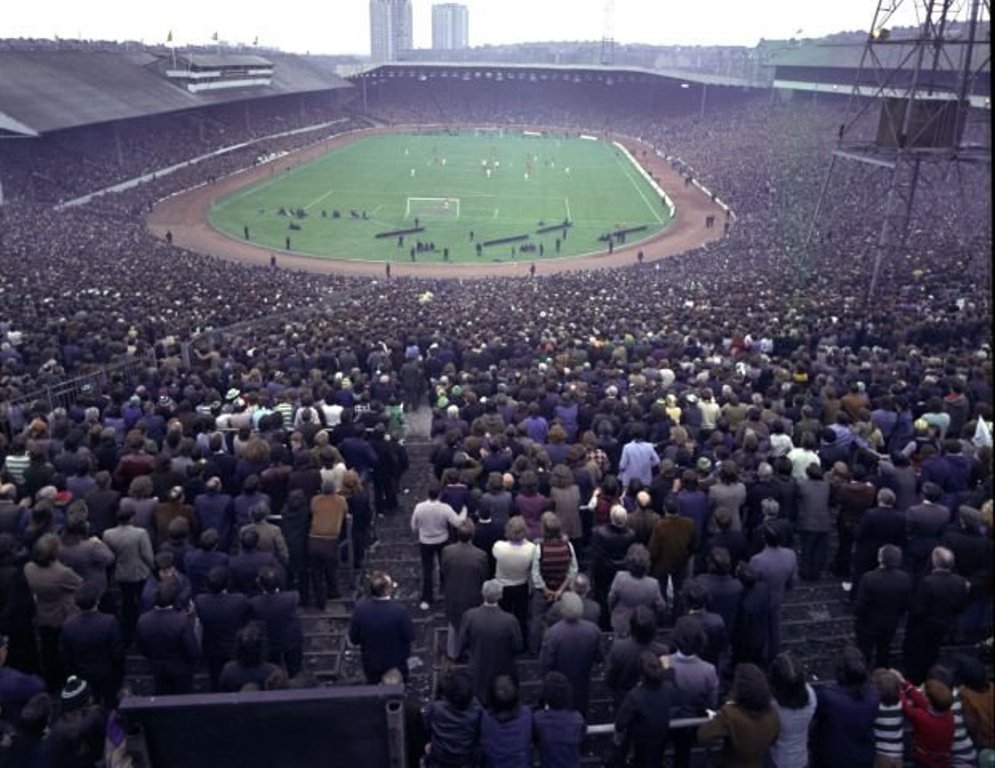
<point>432,208</point>
<point>488,131</point>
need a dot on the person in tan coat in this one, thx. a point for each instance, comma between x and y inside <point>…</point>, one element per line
<point>328,513</point>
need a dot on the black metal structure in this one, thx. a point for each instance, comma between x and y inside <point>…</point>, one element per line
<point>910,107</point>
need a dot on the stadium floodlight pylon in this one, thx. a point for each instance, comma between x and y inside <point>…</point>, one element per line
<point>925,90</point>
<point>607,34</point>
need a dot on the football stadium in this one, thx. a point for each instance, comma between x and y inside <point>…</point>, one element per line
<point>571,393</point>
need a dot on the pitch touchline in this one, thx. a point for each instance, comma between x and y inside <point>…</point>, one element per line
<point>632,181</point>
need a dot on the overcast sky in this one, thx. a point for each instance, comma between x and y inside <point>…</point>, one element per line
<point>342,26</point>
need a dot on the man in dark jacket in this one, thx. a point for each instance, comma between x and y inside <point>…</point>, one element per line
<point>167,639</point>
<point>695,597</point>
<point>464,571</point>
<point>198,563</point>
<point>91,646</point>
<point>882,600</point>
<point>214,509</point>
<point>246,565</point>
<point>724,590</point>
<point>382,629</point>
<point>973,558</point>
<point>101,504</point>
<point>853,495</point>
<point>492,638</point>
<point>938,602</point>
<point>486,532</point>
<point>278,612</point>
<point>880,525</point>
<point>572,646</point>
<point>925,524</point>
<point>296,524</point>
<point>622,663</point>
<point>222,614</point>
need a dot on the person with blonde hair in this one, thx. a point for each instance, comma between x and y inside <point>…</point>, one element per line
<point>513,557</point>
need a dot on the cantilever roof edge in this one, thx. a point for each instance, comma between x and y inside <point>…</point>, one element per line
<point>702,78</point>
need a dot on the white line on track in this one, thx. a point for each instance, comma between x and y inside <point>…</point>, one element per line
<point>625,169</point>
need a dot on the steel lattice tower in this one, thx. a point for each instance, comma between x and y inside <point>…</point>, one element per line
<point>607,34</point>
<point>923,91</point>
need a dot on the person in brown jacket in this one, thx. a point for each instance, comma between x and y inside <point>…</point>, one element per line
<point>747,723</point>
<point>53,587</point>
<point>167,511</point>
<point>328,513</point>
<point>671,546</point>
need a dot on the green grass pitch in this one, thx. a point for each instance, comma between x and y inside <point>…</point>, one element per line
<point>493,186</point>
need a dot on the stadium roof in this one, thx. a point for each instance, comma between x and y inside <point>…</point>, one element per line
<point>44,91</point>
<point>675,74</point>
<point>891,54</point>
<point>225,59</point>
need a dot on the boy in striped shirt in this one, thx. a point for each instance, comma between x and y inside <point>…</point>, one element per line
<point>889,725</point>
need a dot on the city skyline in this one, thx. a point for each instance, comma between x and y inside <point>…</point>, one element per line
<point>344,28</point>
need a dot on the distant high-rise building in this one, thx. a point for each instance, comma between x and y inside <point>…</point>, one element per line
<point>390,29</point>
<point>450,27</point>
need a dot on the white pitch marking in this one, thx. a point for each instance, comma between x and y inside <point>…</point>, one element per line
<point>317,200</point>
<point>567,201</point>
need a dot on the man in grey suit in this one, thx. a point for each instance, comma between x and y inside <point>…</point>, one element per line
<point>572,646</point>
<point>132,550</point>
<point>492,638</point>
<point>464,571</point>
<point>778,567</point>
<point>270,536</point>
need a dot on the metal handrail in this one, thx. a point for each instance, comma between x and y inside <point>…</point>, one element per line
<point>605,729</point>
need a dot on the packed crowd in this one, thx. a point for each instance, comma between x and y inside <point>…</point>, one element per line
<point>68,164</point>
<point>616,451</point>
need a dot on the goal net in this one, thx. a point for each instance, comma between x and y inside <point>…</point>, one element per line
<point>488,131</point>
<point>432,208</point>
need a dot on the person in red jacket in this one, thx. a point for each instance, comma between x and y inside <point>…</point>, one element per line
<point>928,712</point>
